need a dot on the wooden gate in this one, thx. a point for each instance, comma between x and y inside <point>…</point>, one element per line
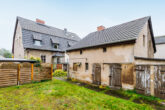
<point>159,86</point>
<point>143,79</point>
<point>115,75</point>
<point>96,76</point>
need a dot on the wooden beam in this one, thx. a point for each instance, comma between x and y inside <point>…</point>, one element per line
<point>51,71</point>
<point>32,72</point>
<point>18,74</point>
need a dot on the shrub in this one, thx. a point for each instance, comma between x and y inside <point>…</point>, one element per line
<point>38,61</point>
<point>59,73</point>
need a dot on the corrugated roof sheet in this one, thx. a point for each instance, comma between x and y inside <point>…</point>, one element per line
<point>160,40</point>
<point>119,33</point>
<point>16,60</point>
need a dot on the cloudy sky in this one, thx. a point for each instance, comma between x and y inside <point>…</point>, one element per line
<point>81,17</point>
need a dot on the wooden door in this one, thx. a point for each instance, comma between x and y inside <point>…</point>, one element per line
<point>115,75</point>
<point>159,81</point>
<point>96,74</point>
<point>143,79</point>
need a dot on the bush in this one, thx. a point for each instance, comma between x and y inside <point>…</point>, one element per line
<point>38,61</point>
<point>59,73</point>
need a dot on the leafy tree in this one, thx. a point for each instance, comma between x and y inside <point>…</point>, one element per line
<point>5,53</point>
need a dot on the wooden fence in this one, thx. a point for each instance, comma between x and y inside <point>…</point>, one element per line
<point>22,73</point>
<point>150,80</point>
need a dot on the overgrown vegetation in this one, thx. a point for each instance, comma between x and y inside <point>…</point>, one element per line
<point>133,96</point>
<point>5,53</point>
<point>60,73</point>
<point>61,95</point>
<point>125,94</point>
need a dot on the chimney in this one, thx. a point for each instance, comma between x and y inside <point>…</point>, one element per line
<point>100,28</point>
<point>40,21</point>
<point>65,30</point>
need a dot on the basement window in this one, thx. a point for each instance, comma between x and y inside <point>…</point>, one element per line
<point>104,49</point>
<point>144,37</point>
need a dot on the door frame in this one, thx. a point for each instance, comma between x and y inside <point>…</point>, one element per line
<point>94,76</point>
<point>112,76</point>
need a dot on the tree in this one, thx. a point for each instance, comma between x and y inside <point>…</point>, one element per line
<point>5,53</point>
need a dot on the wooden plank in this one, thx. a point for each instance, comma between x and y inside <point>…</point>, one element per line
<point>18,77</point>
<point>32,71</point>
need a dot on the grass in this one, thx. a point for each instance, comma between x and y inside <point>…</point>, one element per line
<point>58,94</point>
<point>133,96</point>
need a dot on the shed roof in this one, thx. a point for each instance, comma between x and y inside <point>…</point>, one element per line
<point>160,39</point>
<point>120,33</point>
<point>16,60</point>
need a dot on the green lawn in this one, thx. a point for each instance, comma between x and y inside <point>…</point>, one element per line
<point>61,95</point>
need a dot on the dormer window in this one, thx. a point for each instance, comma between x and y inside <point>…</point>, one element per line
<point>55,46</point>
<point>55,43</point>
<point>37,42</point>
<point>37,39</point>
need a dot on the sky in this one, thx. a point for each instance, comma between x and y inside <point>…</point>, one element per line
<point>80,17</point>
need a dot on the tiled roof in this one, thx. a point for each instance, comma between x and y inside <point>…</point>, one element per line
<point>160,40</point>
<point>46,41</point>
<point>32,30</point>
<point>119,33</point>
<point>45,29</point>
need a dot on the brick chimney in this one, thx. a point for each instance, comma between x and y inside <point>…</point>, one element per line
<point>40,21</point>
<point>100,28</point>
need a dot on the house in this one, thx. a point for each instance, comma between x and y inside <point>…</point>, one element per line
<point>160,46</point>
<point>90,58</point>
<point>40,40</point>
<point>121,56</point>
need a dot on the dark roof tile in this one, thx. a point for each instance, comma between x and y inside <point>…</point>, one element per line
<point>47,34</point>
<point>119,33</point>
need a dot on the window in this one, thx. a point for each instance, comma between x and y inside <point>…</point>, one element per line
<point>80,51</point>
<point>86,66</point>
<point>60,59</point>
<point>104,49</point>
<point>55,46</point>
<point>43,58</point>
<point>144,40</point>
<point>74,66</point>
<point>37,42</point>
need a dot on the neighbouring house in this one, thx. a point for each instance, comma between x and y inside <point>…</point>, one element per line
<point>160,47</point>
<point>121,56</point>
<point>40,40</point>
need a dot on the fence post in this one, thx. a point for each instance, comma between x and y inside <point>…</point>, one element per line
<point>152,75</point>
<point>51,71</point>
<point>32,72</point>
<point>18,74</point>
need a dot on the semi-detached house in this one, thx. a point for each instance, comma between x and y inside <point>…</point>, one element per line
<point>35,38</point>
